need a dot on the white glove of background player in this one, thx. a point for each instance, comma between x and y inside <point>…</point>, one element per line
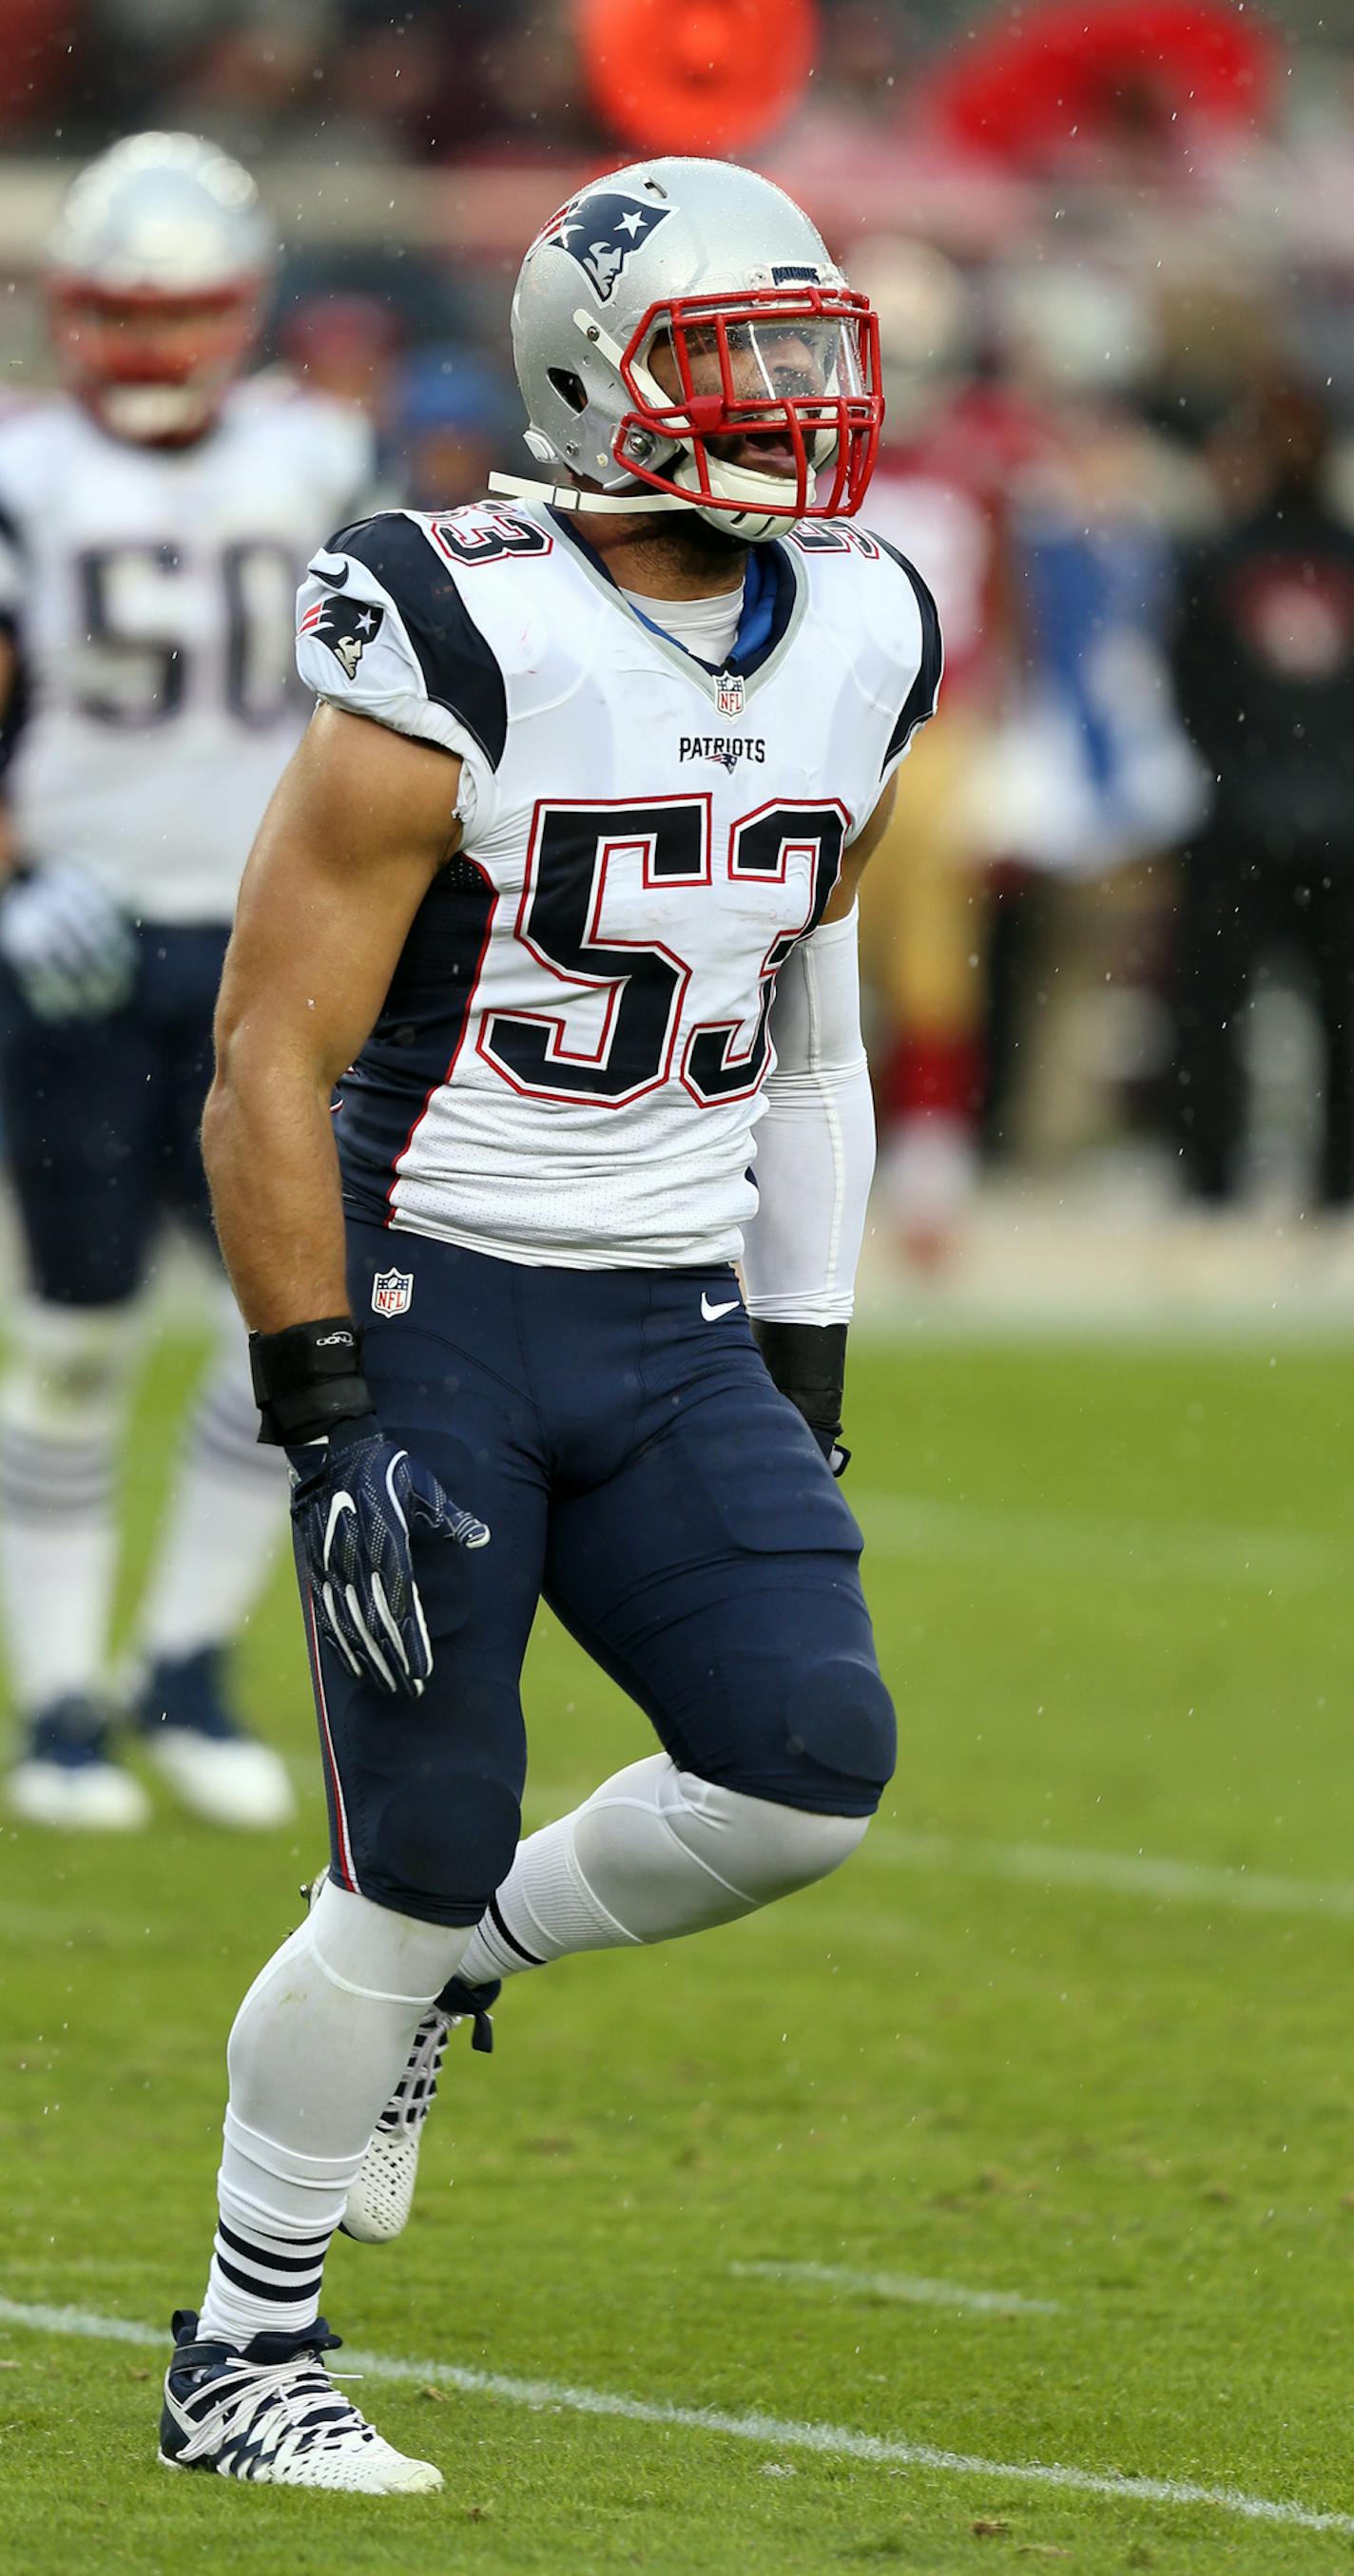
<point>70,951</point>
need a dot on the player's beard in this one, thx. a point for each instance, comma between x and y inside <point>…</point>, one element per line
<point>680,547</point>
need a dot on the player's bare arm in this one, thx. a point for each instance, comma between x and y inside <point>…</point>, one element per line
<point>357,829</point>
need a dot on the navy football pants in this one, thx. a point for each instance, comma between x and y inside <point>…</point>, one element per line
<point>638,1469</point>
<point>101,1119</point>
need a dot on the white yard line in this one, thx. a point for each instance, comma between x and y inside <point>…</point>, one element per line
<point>900,2286</point>
<point>1172,1882</point>
<point>772,2432</point>
<point>945,1533</point>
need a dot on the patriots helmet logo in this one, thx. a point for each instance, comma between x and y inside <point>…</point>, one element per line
<point>601,231</point>
<point>347,626</point>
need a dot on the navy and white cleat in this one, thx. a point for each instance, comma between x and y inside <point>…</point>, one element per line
<point>272,2416</point>
<point>213,1765</point>
<point>66,1776</point>
<point>380,2199</point>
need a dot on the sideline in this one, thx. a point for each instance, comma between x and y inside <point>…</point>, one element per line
<point>900,2286</point>
<point>836,2441</point>
<point>1046,1865</point>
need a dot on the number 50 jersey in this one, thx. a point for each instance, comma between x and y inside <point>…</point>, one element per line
<point>149,592</point>
<point>568,1063</point>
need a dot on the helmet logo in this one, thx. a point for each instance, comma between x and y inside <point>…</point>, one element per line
<point>347,626</point>
<point>602,231</point>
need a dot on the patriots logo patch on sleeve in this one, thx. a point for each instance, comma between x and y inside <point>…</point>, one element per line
<point>601,231</point>
<point>347,626</point>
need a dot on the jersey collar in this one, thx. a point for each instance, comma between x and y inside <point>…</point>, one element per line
<point>773,604</point>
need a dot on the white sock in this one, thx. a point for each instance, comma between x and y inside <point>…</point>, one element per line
<point>318,2046</point>
<point>62,1400</point>
<point>226,1514</point>
<point>653,1854</point>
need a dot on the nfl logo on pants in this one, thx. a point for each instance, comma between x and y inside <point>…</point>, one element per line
<point>391,1291</point>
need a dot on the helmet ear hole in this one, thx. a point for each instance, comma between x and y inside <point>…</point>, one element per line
<point>569,387</point>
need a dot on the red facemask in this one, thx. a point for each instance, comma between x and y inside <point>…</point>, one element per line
<point>782,383</point>
<point>151,367</point>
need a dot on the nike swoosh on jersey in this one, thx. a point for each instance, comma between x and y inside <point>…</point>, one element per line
<point>331,580</point>
<point>712,1313</point>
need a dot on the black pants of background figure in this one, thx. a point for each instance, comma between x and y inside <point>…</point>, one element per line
<point>101,1119</point>
<point>1239,904</point>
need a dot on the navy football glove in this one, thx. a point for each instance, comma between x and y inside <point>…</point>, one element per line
<point>355,1499</point>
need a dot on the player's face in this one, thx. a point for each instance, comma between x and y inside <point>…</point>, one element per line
<point>768,362</point>
<point>160,342</point>
<point>193,344</point>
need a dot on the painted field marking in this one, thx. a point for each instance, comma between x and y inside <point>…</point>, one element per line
<point>835,2441</point>
<point>942,1533</point>
<point>900,2286</point>
<point>1173,1882</point>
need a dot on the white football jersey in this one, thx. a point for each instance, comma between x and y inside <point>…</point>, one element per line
<point>150,593</point>
<point>568,1065</point>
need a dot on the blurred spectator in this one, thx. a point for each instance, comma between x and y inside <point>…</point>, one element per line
<point>939,495</point>
<point>345,345</point>
<point>452,420</point>
<point>1264,670</point>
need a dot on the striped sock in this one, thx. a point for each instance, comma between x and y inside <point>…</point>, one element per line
<point>259,2283</point>
<point>495,1949</point>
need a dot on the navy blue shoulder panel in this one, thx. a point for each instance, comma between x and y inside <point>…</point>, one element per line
<point>920,701</point>
<point>460,670</point>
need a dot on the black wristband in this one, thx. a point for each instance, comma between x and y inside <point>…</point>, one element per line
<point>808,1363</point>
<point>307,1378</point>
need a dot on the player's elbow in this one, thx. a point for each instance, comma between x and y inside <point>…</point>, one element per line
<point>256,1083</point>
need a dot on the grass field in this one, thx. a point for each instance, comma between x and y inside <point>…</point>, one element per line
<point>1028,2139</point>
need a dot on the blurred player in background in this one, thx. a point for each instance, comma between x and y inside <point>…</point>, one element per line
<point>153,521</point>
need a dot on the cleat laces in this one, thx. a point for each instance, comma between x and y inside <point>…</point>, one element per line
<point>263,2416</point>
<point>416,2090</point>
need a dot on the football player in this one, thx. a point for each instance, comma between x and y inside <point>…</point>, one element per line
<point>150,521</point>
<point>564,875</point>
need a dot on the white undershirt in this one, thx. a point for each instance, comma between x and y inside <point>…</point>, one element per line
<point>706,627</point>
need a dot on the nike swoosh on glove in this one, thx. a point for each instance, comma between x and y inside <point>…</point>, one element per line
<point>70,950</point>
<point>356,1497</point>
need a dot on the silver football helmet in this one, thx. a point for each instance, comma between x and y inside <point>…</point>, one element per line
<point>683,340</point>
<point>155,270</point>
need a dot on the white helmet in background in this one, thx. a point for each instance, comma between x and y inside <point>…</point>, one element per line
<point>155,271</point>
<point>683,340</point>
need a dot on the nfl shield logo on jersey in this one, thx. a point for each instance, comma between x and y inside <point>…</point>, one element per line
<point>730,693</point>
<point>391,1291</point>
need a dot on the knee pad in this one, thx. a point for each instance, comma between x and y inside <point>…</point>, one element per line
<point>440,1847</point>
<point>368,1950</point>
<point>840,1725</point>
<point>804,1728</point>
<point>68,1370</point>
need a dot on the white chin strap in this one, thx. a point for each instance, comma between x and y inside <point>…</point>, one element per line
<point>568,496</point>
<point>751,524</point>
